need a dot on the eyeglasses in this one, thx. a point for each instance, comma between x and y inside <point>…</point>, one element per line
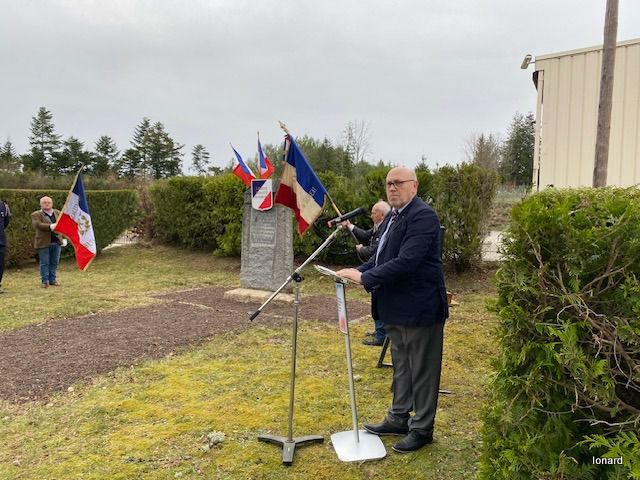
<point>397,183</point>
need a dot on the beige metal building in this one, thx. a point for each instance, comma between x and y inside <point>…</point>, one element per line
<point>568,85</point>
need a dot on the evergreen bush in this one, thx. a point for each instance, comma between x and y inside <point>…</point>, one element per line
<point>112,212</point>
<point>206,212</point>
<point>567,383</point>
<point>38,181</point>
<point>199,212</point>
<point>462,198</point>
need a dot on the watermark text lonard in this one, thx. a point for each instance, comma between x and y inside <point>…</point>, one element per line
<point>606,460</point>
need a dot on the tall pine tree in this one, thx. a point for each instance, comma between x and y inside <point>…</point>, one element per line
<point>153,153</point>
<point>71,158</point>
<point>106,156</point>
<point>8,158</point>
<point>45,143</point>
<point>516,166</point>
<point>200,159</point>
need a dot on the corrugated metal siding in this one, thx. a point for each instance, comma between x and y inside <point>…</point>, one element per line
<point>567,115</point>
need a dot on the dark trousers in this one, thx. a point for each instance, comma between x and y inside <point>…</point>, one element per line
<point>2,250</point>
<point>417,362</point>
<point>379,329</point>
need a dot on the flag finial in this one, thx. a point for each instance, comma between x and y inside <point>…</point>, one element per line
<point>284,127</point>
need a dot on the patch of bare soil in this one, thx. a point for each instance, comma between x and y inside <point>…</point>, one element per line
<point>39,360</point>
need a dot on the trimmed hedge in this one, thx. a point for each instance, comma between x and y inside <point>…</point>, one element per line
<point>206,212</point>
<point>112,212</point>
<point>567,382</point>
<point>202,213</point>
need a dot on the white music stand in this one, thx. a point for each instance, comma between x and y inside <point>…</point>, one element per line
<point>351,445</point>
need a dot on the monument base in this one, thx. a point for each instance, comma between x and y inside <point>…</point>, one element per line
<point>251,295</point>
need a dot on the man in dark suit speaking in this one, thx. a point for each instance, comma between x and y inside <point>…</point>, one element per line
<point>408,293</point>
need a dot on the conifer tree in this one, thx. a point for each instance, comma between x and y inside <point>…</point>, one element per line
<point>45,143</point>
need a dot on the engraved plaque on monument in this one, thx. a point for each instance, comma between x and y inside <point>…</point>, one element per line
<point>267,246</point>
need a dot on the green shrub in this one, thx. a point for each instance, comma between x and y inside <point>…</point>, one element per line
<point>112,212</point>
<point>567,382</point>
<point>38,181</point>
<point>206,212</point>
<point>226,194</point>
<point>199,212</point>
<point>462,198</point>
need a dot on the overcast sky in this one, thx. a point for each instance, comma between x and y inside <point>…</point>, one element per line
<point>424,75</point>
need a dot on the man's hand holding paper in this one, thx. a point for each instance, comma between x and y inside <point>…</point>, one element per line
<point>350,274</point>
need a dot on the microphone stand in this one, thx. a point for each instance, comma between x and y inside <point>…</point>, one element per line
<point>289,442</point>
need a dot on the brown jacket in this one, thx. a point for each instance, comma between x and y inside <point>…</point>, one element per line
<point>43,230</point>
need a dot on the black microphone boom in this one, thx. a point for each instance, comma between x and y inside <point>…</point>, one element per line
<point>347,216</point>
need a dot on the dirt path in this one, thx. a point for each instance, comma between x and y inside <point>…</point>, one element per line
<point>39,360</point>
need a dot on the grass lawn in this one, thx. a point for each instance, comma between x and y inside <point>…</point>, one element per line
<point>149,422</point>
<point>119,278</point>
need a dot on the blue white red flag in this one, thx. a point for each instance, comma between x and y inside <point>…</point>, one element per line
<point>242,170</point>
<point>265,167</point>
<point>262,194</point>
<point>300,188</point>
<point>75,224</point>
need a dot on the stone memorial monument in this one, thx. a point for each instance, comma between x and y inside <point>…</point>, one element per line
<point>267,246</point>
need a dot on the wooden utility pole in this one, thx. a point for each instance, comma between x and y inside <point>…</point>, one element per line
<point>606,94</point>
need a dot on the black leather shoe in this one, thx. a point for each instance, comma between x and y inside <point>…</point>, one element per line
<point>373,341</point>
<point>413,441</point>
<point>386,428</point>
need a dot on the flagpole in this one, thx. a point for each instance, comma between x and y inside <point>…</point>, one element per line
<point>259,169</point>
<point>71,189</point>
<point>64,207</point>
<point>286,130</point>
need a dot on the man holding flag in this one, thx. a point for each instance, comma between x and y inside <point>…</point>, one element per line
<point>75,223</point>
<point>46,242</point>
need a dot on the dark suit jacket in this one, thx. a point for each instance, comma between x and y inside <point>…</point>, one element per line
<point>5,218</point>
<point>369,240</point>
<point>407,285</point>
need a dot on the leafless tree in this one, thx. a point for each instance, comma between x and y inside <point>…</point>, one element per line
<point>483,150</point>
<point>356,140</point>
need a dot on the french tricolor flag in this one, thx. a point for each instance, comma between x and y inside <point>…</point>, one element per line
<point>265,167</point>
<point>75,224</point>
<point>300,188</point>
<point>242,170</point>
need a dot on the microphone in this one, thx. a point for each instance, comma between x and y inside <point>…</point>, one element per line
<point>346,216</point>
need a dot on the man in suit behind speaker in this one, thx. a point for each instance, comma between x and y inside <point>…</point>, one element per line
<point>367,247</point>
<point>406,281</point>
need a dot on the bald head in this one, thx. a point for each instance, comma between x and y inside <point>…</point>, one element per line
<point>402,186</point>
<point>379,211</point>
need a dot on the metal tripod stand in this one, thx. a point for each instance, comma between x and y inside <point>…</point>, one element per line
<point>289,442</point>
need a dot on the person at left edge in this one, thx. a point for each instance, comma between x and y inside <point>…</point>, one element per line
<point>5,218</point>
<point>46,242</point>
